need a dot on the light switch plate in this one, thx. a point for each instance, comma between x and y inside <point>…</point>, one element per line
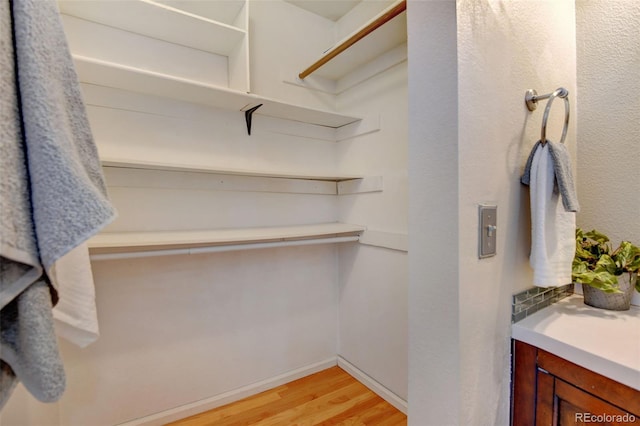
<point>487,230</point>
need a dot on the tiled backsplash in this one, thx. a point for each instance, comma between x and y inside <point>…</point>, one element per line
<point>529,301</point>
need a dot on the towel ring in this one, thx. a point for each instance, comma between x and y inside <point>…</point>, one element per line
<point>532,98</point>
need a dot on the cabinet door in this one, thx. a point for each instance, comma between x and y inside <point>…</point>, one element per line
<point>599,387</point>
<point>545,399</point>
<point>551,391</point>
<point>573,406</point>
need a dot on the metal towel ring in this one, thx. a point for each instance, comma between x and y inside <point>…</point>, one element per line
<point>532,98</point>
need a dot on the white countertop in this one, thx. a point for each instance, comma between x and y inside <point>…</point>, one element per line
<point>607,342</point>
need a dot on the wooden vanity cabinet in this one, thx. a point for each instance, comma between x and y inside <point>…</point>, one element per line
<point>551,391</point>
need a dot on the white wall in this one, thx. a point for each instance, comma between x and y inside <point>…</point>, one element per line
<point>433,214</point>
<point>22,409</point>
<point>373,328</point>
<point>503,49</point>
<point>608,130</point>
<point>470,134</point>
<point>277,30</point>
<point>182,329</point>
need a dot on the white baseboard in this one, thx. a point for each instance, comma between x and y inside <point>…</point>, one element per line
<point>187,410</point>
<point>374,385</point>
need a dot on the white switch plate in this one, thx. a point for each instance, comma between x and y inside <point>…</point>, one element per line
<point>487,217</point>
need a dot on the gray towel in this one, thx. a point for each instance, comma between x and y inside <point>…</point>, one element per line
<point>29,346</point>
<point>52,193</point>
<point>563,174</point>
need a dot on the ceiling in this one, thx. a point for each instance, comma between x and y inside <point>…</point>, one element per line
<point>330,9</point>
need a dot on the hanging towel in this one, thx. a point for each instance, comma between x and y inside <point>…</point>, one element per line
<point>563,176</point>
<point>29,347</point>
<point>75,315</point>
<point>52,192</point>
<point>552,227</point>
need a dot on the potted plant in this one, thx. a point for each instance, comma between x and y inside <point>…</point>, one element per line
<point>608,276</point>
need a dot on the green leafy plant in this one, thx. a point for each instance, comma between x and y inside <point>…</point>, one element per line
<point>597,265</point>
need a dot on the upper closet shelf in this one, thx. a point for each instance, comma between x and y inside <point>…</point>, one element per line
<point>160,21</point>
<point>142,244</point>
<point>379,35</point>
<point>225,11</point>
<point>109,74</point>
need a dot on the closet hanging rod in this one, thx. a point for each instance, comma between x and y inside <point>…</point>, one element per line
<point>222,248</point>
<point>385,17</point>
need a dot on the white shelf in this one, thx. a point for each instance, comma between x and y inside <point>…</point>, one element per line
<point>140,244</point>
<point>287,111</point>
<point>175,167</point>
<point>159,21</point>
<point>385,38</point>
<point>108,74</point>
<point>225,11</point>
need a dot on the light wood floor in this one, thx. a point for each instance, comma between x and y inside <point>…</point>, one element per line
<point>330,397</point>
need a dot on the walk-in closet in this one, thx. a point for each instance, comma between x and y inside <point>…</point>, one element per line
<point>262,228</point>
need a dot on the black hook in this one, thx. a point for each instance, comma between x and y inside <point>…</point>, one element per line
<point>247,116</point>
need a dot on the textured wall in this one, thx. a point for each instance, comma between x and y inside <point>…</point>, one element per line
<point>434,365</point>
<point>469,136</point>
<point>609,117</point>
<point>504,48</point>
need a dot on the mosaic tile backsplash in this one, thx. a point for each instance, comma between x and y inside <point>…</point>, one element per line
<point>529,301</point>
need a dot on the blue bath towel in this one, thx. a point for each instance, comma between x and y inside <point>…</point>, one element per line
<point>52,193</point>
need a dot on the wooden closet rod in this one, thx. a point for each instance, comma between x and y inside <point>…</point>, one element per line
<point>377,23</point>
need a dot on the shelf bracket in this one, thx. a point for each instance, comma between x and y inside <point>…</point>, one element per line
<point>248,114</point>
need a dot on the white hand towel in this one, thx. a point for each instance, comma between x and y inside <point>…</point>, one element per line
<point>552,228</point>
<point>564,177</point>
<point>75,315</point>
